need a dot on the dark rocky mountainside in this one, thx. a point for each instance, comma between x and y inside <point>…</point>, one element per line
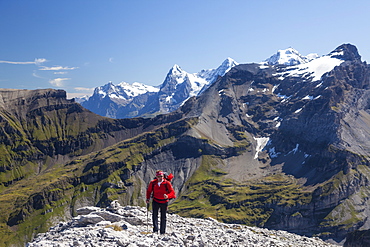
<point>316,154</point>
<point>277,146</point>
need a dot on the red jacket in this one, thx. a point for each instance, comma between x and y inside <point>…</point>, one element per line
<point>159,191</point>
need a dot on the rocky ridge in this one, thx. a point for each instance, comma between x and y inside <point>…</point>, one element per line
<point>129,226</point>
<point>298,125</point>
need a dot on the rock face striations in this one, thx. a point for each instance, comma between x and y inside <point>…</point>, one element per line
<point>282,145</point>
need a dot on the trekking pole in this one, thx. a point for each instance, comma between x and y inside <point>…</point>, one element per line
<point>147,217</point>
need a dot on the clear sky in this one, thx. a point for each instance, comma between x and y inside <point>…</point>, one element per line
<point>77,45</point>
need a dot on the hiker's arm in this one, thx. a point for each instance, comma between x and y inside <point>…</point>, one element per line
<point>171,192</point>
<point>149,191</point>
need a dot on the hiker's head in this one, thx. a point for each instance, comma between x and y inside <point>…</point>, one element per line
<point>159,174</point>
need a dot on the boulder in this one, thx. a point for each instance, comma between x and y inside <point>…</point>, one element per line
<point>84,220</point>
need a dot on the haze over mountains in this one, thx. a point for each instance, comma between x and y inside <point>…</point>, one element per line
<point>281,144</point>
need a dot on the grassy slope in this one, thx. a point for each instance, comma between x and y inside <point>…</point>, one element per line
<point>210,195</point>
<point>28,209</point>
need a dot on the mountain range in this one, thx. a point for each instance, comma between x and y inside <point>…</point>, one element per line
<point>133,100</point>
<point>137,99</point>
<point>281,144</point>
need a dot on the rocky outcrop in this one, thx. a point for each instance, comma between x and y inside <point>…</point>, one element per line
<point>131,226</point>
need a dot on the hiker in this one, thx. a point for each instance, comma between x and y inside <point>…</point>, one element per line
<point>161,190</point>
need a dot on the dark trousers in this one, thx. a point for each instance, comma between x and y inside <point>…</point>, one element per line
<point>163,208</point>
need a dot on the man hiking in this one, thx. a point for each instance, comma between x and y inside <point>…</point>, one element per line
<point>161,190</point>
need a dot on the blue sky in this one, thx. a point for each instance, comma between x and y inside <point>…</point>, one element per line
<point>79,45</point>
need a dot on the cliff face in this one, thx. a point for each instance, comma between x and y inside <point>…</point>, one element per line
<point>41,128</point>
<point>305,168</point>
<point>283,147</point>
<point>40,132</point>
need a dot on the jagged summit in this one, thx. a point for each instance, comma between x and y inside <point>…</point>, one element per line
<point>176,69</point>
<point>228,63</point>
<point>347,52</point>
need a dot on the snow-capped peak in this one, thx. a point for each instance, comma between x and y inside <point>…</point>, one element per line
<point>177,87</point>
<point>314,69</point>
<point>136,88</point>
<point>289,56</point>
<point>229,62</point>
<point>105,89</point>
<point>176,69</point>
<point>123,90</point>
<point>226,66</point>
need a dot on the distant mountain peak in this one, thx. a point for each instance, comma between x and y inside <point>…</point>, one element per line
<point>230,61</point>
<point>176,69</point>
<point>105,89</point>
<point>227,65</point>
<point>289,56</point>
<point>347,52</point>
<point>108,85</point>
<point>137,99</point>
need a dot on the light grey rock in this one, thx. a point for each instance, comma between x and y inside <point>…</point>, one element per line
<point>84,220</point>
<point>109,216</point>
<point>93,230</point>
<point>86,210</point>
